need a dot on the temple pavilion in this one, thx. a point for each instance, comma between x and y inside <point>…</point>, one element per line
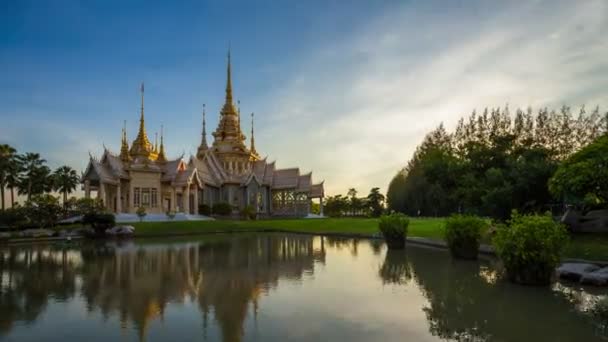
<point>227,171</point>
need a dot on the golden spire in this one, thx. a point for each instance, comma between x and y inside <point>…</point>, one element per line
<point>203,146</point>
<point>124,146</point>
<point>155,142</point>
<point>161,153</point>
<point>253,151</point>
<point>228,81</point>
<point>141,145</point>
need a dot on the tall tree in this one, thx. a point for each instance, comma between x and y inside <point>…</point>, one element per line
<point>65,180</point>
<point>7,153</point>
<point>35,175</point>
<point>13,173</point>
<point>376,201</point>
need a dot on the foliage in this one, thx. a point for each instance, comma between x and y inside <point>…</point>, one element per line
<point>394,229</point>
<point>13,217</point>
<point>65,180</point>
<point>531,247</point>
<point>249,213</point>
<point>376,202</point>
<point>89,206</point>
<point>43,210</point>
<point>204,209</point>
<point>315,208</point>
<point>170,214</point>
<point>395,269</point>
<point>463,235</point>
<point>100,222</point>
<point>583,177</point>
<point>141,213</point>
<point>493,162</point>
<point>336,206</point>
<point>7,156</point>
<point>221,209</point>
<point>36,176</point>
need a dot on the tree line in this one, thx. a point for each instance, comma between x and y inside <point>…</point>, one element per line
<point>493,162</point>
<point>351,205</point>
<point>28,175</point>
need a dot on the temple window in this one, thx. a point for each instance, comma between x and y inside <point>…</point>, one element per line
<point>136,197</point>
<point>154,194</point>
<point>145,197</point>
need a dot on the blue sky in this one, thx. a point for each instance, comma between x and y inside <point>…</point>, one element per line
<point>346,89</point>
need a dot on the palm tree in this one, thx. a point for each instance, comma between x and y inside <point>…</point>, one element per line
<point>7,153</point>
<point>13,173</point>
<point>35,174</point>
<point>65,181</point>
<point>376,200</point>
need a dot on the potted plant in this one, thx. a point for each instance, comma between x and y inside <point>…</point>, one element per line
<point>530,248</point>
<point>394,229</point>
<point>463,235</point>
<point>141,213</point>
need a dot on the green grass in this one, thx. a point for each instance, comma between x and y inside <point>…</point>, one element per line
<point>591,246</point>
<point>430,228</point>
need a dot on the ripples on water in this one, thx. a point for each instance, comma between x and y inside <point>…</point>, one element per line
<point>276,288</point>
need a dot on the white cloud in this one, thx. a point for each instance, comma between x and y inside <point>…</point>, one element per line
<point>356,109</point>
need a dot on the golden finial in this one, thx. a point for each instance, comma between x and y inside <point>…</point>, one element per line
<point>124,146</point>
<point>253,151</point>
<point>161,153</point>
<point>141,145</point>
<point>229,80</point>
<point>155,142</point>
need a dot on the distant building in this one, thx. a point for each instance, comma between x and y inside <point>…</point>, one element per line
<point>227,171</point>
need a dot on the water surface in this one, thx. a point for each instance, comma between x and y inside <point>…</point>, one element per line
<point>274,287</point>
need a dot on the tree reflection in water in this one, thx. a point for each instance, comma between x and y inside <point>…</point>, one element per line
<point>468,303</point>
<point>136,282</point>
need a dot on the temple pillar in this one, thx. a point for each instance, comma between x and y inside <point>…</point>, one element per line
<point>186,199</point>
<point>321,206</point>
<point>101,193</point>
<point>173,200</point>
<point>87,189</point>
<point>195,209</point>
<point>118,199</point>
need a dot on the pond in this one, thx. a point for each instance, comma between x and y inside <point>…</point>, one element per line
<point>275,287</point>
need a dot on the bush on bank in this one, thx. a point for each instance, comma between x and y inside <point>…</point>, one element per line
<point>394,229</point>
<point>530,248</point>
<point>463,235</point>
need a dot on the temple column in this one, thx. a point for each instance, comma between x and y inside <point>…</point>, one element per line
<point>118,199</point>
<point>321,206</point>
<point>195,209</point>
<point>186,199</point>
<point>173,200</point>
<point>87,189</point>
<point>101,193</point>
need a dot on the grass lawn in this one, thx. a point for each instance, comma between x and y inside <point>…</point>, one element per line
<point>591,246</point>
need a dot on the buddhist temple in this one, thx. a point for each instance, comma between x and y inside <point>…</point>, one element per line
<point>227,171</point>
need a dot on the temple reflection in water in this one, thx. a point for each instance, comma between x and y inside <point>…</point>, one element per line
<point>136,282</point>
<point>225,287</point>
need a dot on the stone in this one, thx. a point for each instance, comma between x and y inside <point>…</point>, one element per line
<point>121,230</point>
<point>4,235</point>
<point>598,277</point>
<point>574,271</point>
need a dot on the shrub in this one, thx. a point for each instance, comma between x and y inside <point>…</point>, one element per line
<point>530,248</point>
<point>141,213</point>
<point>13,218</point>
<point>204,209</point>
<point>463,234</point>
<point>89,206</point>
<point>222,209</point>
<point>43,210</point>
<point>249,213</point>
<point>170,214</point>
<point>99,221</point>
<point>394,229</point>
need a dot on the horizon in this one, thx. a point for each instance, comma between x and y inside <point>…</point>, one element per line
<point>345,92</point>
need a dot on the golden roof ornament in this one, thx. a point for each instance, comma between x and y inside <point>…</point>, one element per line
<point>161,153</point>
<point>203,146</point>
<point>124,146</point>
<point>254,153</point>
<point>141,145</point>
